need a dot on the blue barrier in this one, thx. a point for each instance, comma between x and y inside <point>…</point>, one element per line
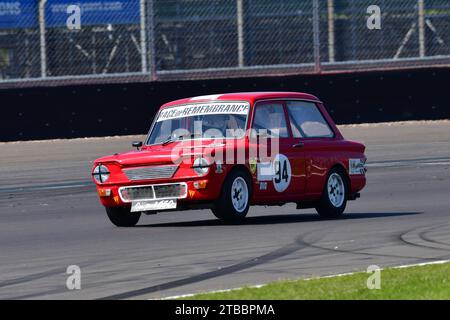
<point>94,12</point>
<point>16,14</point>
<point>21,14</point>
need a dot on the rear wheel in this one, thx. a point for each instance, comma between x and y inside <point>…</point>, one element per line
<point>234,201</point>
<point>122,217</point>
<point>334,197</point>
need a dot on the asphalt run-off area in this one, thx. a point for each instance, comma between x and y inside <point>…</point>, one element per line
<point>51,218</point>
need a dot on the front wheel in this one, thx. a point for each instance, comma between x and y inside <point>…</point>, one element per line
<point>122,217</point>
<point>334,197</point>
<point>234,201</point>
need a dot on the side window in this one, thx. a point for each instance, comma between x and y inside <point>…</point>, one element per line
<point>271,118</point>
<point>307,121</point>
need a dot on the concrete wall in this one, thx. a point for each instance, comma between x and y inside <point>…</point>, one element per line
<point>120,109</point>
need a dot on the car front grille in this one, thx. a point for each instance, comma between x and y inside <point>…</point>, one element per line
<point>140,193</point>
<point>154,192</point>
<point>167,191</point>
<point>150,173</point>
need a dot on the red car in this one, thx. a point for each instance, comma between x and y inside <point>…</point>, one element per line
<point>228,151</point>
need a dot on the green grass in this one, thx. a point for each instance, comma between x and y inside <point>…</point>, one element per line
<point>422,282</point>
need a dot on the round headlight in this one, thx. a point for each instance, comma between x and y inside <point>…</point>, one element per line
<point>201,166</point>
<point>101,173</point>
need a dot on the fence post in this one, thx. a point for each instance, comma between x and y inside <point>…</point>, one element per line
<point>42,39</point>
<point>316,36</point>
<point>331,31</point>
<point>240,31</point>
<point>421,23</point>
<point>143,37</point>
<point>151,40</point>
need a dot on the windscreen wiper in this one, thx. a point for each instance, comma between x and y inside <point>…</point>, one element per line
<point>169,140</point>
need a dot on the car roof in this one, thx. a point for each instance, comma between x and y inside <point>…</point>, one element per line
<point>245,96</point>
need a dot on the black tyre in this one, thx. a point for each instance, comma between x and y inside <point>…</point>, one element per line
<point>234,201</point>
<point>334,196</point>
<point>122,217</point>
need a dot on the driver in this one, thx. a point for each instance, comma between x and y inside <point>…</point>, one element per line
<point>214,125</point>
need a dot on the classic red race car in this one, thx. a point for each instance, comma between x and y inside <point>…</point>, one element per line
<point>226,152</point>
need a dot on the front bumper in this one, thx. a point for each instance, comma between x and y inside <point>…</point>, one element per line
<point>182,191</point>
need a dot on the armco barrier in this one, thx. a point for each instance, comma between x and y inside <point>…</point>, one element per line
<point>121,109</point>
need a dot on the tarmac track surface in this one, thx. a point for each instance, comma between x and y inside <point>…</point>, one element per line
<point>50,218</point>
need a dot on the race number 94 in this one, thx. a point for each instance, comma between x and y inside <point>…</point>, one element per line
<point>281,172</point>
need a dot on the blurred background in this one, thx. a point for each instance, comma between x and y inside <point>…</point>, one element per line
<point>198,39</point>
<point>110,74</point>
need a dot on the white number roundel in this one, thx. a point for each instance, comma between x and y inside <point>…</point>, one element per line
<point>281,172</point>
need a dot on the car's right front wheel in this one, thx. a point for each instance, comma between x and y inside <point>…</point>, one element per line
<point>334,196</point>
<point>122,217</point>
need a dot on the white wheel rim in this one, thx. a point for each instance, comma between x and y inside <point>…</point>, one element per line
<point>336,190</point>
<point>239,194</point>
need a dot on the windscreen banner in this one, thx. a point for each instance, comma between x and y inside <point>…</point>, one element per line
<point>203,109</point>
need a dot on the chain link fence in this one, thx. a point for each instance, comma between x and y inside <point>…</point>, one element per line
<point>68,41</point>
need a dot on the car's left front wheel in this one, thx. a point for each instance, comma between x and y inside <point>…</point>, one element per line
<point>234,201</point>
<point>122,217</point>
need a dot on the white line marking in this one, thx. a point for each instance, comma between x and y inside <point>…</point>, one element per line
<point>420,264</point>
<point>394,123</point>
<point>30,188</point>
<point>406,164</point>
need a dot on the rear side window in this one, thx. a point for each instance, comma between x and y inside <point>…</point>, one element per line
<point>307,121</point>
<point>271,117</point>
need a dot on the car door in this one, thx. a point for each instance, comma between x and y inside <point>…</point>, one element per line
<point>314,137</point>
<point>279,172</point>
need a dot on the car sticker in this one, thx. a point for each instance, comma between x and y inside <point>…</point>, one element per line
<point>137,206</point>
<point>278,171</point>
<point>282,172</point>
<point>203,109</point>
<point>219,167</point>
<point>263,185</point>
<point>356,166</point>
<point>253,164</point>
<point>264,171</point>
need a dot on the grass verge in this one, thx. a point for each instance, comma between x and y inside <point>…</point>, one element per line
<point>411,283</point>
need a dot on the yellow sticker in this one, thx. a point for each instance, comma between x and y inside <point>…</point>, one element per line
<point>252,164</point>
<point>191,193</point>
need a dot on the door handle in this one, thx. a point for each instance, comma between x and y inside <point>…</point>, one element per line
<point>298,145</point>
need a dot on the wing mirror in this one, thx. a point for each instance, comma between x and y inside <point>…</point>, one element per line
<point>137,144</point>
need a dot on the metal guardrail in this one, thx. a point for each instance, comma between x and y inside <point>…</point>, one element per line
<point>51,42</point>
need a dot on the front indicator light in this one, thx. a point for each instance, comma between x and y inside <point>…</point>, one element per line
<point>200,184</point>
<point>104,192</point>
